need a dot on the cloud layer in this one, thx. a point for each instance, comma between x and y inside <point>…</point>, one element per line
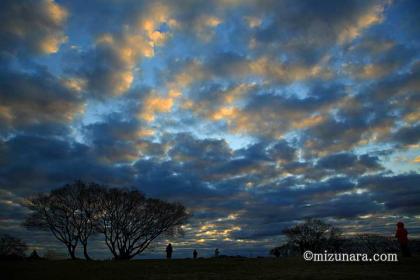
<point>255,114</point>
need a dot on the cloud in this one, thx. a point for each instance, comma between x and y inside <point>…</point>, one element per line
<point>274,114</point>
<point>370,71</point>
<point>32,26</point>
<point>114,140</point>
<point>216,102</point>
<point>112,62</point>
<point>110,66</point>
<point>53,162</point>
<point>399,85</point>
<point>408,135</point>
<point>154,104</point>
<point>399,193</point>
<point>350,163</point>
<point>369,62</point>
<point>38,99</point>
<point>254,114</point>
<point>268,68</point>
<point>307,36</point>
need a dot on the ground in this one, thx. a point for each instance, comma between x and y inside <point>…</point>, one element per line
<point>203,269</point>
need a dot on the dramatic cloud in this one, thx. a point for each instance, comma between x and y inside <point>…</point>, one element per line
<point>254,114</point>
<point>35,26</point>
<point>36,99</point>
<point>112,61</point>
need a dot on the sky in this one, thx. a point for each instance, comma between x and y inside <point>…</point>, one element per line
<point>253,114</point>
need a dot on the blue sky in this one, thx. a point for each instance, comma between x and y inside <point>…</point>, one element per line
<point>254,114</point>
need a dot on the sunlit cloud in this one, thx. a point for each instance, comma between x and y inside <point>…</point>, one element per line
<point>155,104</point>
<point>37,25</point>
<point>370,17</point>
<point>233,108</point>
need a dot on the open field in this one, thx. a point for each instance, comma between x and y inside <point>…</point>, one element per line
<point>202,269</point>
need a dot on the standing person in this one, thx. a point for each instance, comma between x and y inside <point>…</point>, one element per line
<point>401,235</point>
<point>169,251</point>
<point>216,252</point>
<point>195,253</point>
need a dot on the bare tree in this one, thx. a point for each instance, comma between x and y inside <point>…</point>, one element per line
<point>310,235</point>
<point>285,250</point>
<point>334,239</point>
<point>84,199</point>
<point>52,212</point>
<point>374,243</point>
<point>69,213</point>
<point>130,221</point>
<point>12,247</point>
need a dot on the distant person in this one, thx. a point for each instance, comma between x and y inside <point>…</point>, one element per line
<point>195,254</point>
<point>34,255</point>
<point>169,251</point>
<point>216,252</point>
<point>401,235</point>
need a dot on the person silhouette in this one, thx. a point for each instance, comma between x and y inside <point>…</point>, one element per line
<point>34,255</point>
<point>401,234</point>
<point>169,251</point>
<point>195,253</point>
<point>216,252</point>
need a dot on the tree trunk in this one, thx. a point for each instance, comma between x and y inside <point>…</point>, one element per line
<point>72,250</point>
<point>301,249</point>
<point>111,248</point>
<point>123,257</point>
<point>85,252</point>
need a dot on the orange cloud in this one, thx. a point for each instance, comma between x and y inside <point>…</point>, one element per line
<point>154,104</point>
<point>370,71</point>
<point>372,16</point>
<point>132,44</point>
<point>224,113</point>
<point>309,121</point>
<point>44,18</point>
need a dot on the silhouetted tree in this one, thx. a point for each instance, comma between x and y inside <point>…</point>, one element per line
<point>55,212</point>
<point>313,234</point>
<point>68,212</point>
<point>284,250</point>
<point>12,247</point>
<point>130,221</point>
<point>87,202</point>
<point>374,243</point>
<point>276,252</point>
<point>334,239</point>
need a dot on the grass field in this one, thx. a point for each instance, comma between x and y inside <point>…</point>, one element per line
<point>203,269</point>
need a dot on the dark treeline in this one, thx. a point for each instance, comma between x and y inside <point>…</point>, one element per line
<point>12,248</point>
<point>317,236</point>
<point>127,220</point>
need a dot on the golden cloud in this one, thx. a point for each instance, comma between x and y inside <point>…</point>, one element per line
<point>369,71</point>
<point>372,16</point>
<point>133,43</point>
<point>38,25</point>
<point>155,104</point>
